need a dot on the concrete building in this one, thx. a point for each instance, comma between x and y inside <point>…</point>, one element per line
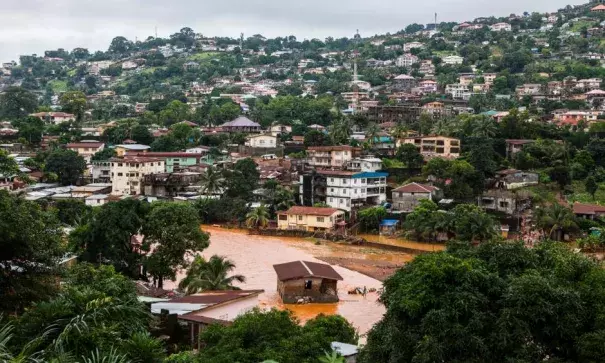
<point>407,197</point>
<point>310,218</point>
<point>86,149</point>
<point>174,161</point>
<point>241,124</point>
<point>403,82</point>
<point>54,117</point>
<point>331,156</point>
<point>370,164</point>
<point>348,190</point>
<point>261,141</point>
<point>101,171</point>
<point>127,173</point>
<point>200,310</point>
<point>121,150</point>
<point>501,27</point>
<point>453,60</point>
<point>303,281</point>
<point>406,60</point>
<point>458,91</point>
<point>435,146</point>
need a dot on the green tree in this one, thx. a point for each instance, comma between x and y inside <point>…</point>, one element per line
<point>370,218</point>
<point>74,102</point>
<point>72,212</point>
<point>141,134</point>
<point>67,164</point>
<point>556,220</point>
<point>494,303</point>
<point>212,181</point>
<point>316,138</point>
<point>108,237</point>
<point>261,335</point>
<point>104,154</point>
<point>211,275</point>
<point>30,246</point>
<point>172,232</point>
<point>258,217</point>
<point>31,129</point>
<point>591,186</point>
<point>243,179</point>
<point>410,156</point>
<point>16,102</point>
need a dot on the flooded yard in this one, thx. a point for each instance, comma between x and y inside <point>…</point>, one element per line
<point>254,257</point>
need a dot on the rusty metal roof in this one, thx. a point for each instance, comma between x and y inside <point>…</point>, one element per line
<point>301,269</point>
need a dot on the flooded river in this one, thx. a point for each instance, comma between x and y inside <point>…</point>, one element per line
<point>254,257</point>
<point>432,247</point>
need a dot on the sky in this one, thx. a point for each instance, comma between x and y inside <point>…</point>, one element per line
<point>33,26</point>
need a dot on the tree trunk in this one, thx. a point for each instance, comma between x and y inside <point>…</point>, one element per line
<point>160,282</point>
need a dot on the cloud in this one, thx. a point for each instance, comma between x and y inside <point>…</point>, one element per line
<point>32,26</point>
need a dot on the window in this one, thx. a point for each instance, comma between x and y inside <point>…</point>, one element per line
<point>300,218</point>
<point>283,217</point>
<point>119,174</point>
<point>331,180</point>
<point>332,190</point>
<point>320,219</point>
<point>363,181</point>
<point>308,284</point>
<point>119,164</point>
<point>331,200</point>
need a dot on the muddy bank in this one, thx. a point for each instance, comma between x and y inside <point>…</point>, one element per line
<point>379,270</point>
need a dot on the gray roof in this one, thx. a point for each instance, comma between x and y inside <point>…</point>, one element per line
<point>346,350</point>
<point>241,121</point>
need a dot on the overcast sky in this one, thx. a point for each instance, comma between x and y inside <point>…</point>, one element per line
<point>32,26</point>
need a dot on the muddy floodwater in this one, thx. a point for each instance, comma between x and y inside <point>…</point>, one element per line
<point>254,257</point>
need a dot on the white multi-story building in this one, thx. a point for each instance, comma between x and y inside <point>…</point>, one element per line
<point>501,27</point>
<point>409,46</point>
<point>347,190</point>
<point>406,60</point>
<point>453,59</point>
<point>127,173</point>
<point>331,156</point>
<point>458,91</point>
<point>365,164</point>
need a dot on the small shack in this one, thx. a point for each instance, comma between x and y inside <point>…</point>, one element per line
<point>388,227</point>
<point>307,282</point>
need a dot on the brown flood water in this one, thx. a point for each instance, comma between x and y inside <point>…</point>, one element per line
<point>404,243</point>
<point>254,257</point>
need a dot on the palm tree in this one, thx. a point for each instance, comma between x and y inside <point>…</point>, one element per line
<point>212,181</point>
<point>340,131</point>
<point>441,128</point>
<point>210,275</point>
<point>484,127</point>
<point>258,217</point>
<point>372,133</point>
<point>556,220</point>
<point>399,132</point>
<point>284,199</point>
<point>332,357</point>
<point>143,348</point>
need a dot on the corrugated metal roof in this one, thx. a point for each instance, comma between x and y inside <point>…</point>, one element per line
<point>301,269</point>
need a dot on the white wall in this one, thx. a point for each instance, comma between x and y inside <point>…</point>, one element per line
<point>230,311</point>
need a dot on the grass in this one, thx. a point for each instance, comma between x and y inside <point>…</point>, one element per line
<point>580,24</point>
<point>197,57</point>
<point>58,86</point>
<point>580,194</point>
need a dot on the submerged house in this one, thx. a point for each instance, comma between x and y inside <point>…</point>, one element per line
<point>303,281</point>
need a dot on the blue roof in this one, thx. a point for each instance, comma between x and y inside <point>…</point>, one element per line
<point>370,175</point>
<point>389,222</point>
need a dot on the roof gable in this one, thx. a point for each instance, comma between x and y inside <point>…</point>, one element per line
<point>301,269</point>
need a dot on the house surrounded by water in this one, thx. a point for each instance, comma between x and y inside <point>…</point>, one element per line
<point>307,282</point>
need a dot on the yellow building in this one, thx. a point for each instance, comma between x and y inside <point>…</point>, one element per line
<point>434,146</point>
<point>86,149</point>
<point>121,150</point>
<point>310,218</point>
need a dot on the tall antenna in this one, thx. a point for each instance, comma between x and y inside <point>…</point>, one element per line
<point>156,32</point>
<point>241,41</point>
<point>435,21</point>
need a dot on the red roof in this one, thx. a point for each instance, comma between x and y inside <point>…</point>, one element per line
<point>416,188</point>
<point>333,148</point>
<point>301,269</point>
<point>79,145</point>
<point>579,208</point>
<point>191,317</point>
<point>598,7</point>
<point>519,141</point>
<point>189,123</point>
<point>215,297</point>
<point>310,211</point>
<point>175,154</point>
